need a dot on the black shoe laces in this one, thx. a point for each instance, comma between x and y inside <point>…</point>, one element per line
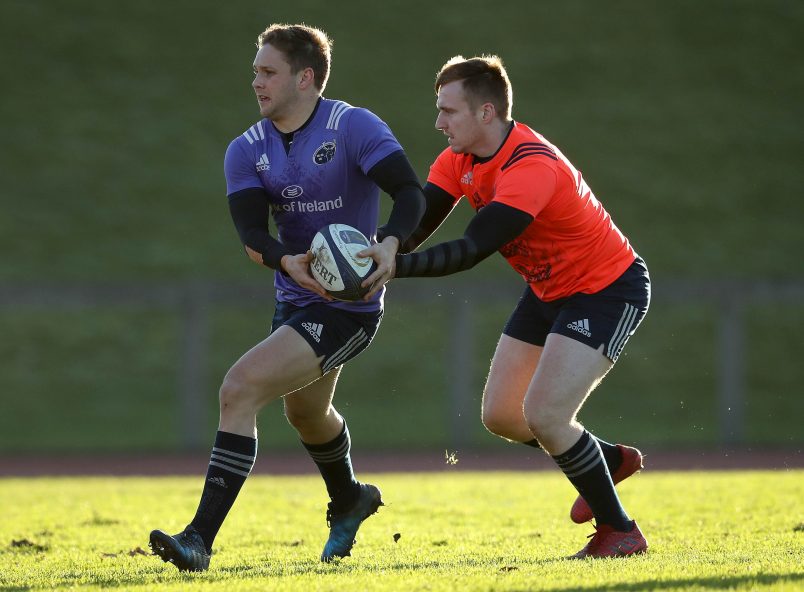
<point>332,513</point>
<point>594,536</point>
<point>192,542</point>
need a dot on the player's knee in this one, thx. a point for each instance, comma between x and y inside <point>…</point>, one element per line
<point>499,422</point>
<point>233,393</point>
<point>544,420</point>
<point>303,418</point>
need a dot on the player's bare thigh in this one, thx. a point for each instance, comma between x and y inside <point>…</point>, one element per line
<point>512,369</point>
<point>280,364</point>
<point>567,372</point>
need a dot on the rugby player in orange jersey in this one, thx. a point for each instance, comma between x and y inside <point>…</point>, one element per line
<point>587,289</point>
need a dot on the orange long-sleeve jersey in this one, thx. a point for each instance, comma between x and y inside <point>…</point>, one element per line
<point>572,245</point>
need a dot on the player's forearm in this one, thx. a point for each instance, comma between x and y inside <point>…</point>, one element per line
<point>439,205</point>
<point>396,177</point>
<point>249,210</point>
<point>441,259</point>
<point>405,215</point>
<point>260,242</point>
<point>492,227</point>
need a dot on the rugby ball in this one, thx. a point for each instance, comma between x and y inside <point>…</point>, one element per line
<point>335,263</point>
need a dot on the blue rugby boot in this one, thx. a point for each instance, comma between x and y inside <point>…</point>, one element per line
<point>343,526</point>
<point>185,550</point>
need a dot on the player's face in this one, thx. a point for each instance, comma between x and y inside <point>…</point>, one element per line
<point>456,118</point>
<point>274,83</point>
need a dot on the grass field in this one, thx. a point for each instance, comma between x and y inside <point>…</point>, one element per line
<point>457,531</point>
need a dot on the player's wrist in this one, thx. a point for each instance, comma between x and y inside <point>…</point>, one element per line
<point>393,240</point>
<point>283,263</point>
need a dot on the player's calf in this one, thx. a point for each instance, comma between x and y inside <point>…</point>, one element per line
<point>632,463</point>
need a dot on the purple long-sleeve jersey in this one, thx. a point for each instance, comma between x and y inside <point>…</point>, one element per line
<point>320,180</point>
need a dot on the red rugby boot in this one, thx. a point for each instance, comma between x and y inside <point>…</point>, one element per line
<point>632,463</point>
<point>607,542</point>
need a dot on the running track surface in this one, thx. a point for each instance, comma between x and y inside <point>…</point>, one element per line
<point>272,462</point>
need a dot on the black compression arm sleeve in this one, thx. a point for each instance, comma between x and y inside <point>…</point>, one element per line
<point>249,210</point>
<point>491,228</point>
<point>439,205</point>
<point>394,175</point>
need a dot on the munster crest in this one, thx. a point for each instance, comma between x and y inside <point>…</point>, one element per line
<point>325,153</point>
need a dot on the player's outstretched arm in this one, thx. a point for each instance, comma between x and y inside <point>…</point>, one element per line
<point>491,228</point>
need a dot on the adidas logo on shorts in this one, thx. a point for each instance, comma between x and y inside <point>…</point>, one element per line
<point>581,327</point>
<point>314,329</point>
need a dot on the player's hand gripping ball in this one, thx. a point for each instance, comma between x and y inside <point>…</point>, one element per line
<point>335,263</point>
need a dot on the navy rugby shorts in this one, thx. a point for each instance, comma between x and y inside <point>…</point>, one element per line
<point>608,317</point>
<point>336,334</point>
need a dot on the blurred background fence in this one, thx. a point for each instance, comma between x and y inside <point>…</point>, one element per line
<point>125,295</point>
<point>447,372</point>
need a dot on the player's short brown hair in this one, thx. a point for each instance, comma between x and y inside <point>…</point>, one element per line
<point>484,81</point>
<point>303,47</point>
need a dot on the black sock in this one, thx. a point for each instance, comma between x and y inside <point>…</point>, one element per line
<point>230,463</point>
<point>585,467</point>
<point>612,454</point>
<point>335,465</point>
<point>534,443</point>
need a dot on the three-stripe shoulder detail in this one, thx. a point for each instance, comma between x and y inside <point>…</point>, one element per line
<point>338,110</point>
<point>529,149</point>
<point>254,133</point>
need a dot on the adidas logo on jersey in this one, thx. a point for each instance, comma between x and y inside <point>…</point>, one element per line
<point>315,330</point>
<point>467,178</point>
<point>217,481</point>
<point>263,163</point>
<point>581,327</point>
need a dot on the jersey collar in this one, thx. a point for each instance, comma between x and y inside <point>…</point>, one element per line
<point>287,138</point>
<point>289,135</point>
<point>479,160</point>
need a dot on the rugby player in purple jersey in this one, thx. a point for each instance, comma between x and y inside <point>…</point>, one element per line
<point>309,162</point>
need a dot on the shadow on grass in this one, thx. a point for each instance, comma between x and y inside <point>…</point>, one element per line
<point>161,573</point>
<point>730,582</point>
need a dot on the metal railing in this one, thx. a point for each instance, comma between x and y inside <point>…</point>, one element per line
<point>194,300</point>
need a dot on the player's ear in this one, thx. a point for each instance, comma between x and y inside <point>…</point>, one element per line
<point>306,78</point>
<point>488,112</point>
